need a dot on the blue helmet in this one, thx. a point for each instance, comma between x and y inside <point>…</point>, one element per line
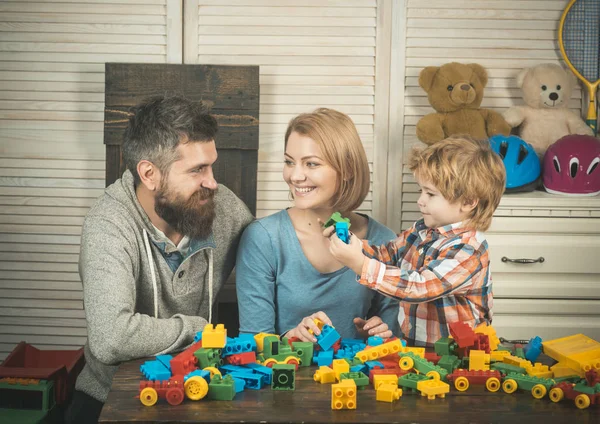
<point>522,164</point>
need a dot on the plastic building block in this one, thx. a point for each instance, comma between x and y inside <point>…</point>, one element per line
<point>26,400</point>
<point>419,351</point>
<point>171,390</point>
<point>574,392</point>
<point>539,370</point>
<point>259,339</point>
<point>273,348</point>
<point>410,380</point>
<point>432,357</point>
<point>498,355</point>
<point>341,230</point>
<point>155,370</point>
<point>433,388</point>
<point>198,373</point>
<point>359,344</point>
<point>488,330</point>
<point>343,395</point>
<point>242,358</point>
<point>409,361</point>
<point>305,352</point>
<point>374,341</point>
<point>213,371</point>
<point>380,379</point>
<point>265,372</point>
<point>165,360</point>
<point>208,357</point>
<point>239,345</point>
<point>397,372</point>
<point>538,386</point>
<point>578,352</point>
<point>284,377</point>
<point>359,378</point>
<point>449,363</point>
<point>324,358</point>
<point>360,368</point>
<point>185,362</point>
<point>388,393</point>
<point>221,388</point>
<point>462,333</point>
<point>381,351</point>
<point>445,346</point>
<point>507,368</point>
<point>515,360</point>
<point>214,337</point>
<point>533,349</point>
<point>335,218</point>
<point>325,375</point>
<point>374,365</point>
<point>252,381</point>
<point>463,379</point>
<point>340,366</point>
<point>239,384</point>
<point>328,337</point>
<point>479,360</point>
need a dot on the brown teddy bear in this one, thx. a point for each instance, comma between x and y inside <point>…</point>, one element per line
<point>455,91</point>
<point>545,117</point>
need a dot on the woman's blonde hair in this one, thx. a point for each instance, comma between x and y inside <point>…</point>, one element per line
<point>463,169</point>
<point>342,149</point>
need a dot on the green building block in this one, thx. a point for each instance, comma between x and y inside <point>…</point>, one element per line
<point>208,357</point>
<point>449,363</point>
<point>305,351</point>
<point>335,218</point>
<point>410,380</point>
<point>445,346</point>
<point>526,382</point>
<point>519,353</point>
<point>424,366</point>
<point>278,350</point>
<point>284,377</point>
<point>27,403</point>
<point>507,368</point>
<point>359,378</point>
<point>221,388</point>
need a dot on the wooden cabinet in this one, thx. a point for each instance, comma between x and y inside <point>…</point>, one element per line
<point>555,296</point>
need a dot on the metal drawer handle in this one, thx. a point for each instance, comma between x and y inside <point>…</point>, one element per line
<point>523,261</point>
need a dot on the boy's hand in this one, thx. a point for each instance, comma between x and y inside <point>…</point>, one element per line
<point>350,255</point>
<point>374,326</point>
<point>301,331</point>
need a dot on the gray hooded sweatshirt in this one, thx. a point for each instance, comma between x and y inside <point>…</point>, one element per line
<point>139,299</point>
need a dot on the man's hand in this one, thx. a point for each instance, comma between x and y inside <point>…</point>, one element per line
<point>350,255</point>
<point>308,323</point>
<point>374,326</point>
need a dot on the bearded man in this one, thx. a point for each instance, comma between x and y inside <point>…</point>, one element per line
<point>156,247</point>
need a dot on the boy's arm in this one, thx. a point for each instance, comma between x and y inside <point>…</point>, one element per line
<point>449,272</point>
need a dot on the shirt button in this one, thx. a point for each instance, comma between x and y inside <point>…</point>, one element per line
<point>181,273</point>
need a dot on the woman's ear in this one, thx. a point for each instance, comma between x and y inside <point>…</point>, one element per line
<point>149,174</point>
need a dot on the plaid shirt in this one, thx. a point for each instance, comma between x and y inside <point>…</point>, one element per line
<point>441,275</point>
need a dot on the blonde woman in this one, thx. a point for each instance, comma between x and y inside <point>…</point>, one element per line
<point>285,273</point>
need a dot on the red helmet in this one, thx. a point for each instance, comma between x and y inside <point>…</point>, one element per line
<point>571,166</point>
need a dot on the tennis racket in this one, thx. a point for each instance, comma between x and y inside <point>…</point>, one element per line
<point>579,41</point>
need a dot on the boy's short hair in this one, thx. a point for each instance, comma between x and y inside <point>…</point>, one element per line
<point>463,169</point>
<point>342,149</point>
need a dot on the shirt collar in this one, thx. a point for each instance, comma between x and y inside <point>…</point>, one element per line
<point>449,230</point>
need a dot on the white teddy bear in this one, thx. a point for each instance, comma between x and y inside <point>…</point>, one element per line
<point>545,118</point>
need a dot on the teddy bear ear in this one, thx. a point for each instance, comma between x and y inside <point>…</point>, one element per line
<point>426,77</point>
<point>480,72</point>
<point>521,77</point>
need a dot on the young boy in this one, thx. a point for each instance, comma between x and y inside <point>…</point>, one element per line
<point>439,268</point>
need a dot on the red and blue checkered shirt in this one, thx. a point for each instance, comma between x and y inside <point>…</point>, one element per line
<point>441,275</point>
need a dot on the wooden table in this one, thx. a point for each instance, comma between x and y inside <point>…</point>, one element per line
<point>311,403</point>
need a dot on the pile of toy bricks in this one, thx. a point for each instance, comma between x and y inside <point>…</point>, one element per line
<point>469,357</point>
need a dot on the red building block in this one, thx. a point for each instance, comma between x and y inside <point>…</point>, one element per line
<point>462,333</point>
<point>241,358</point>
<point>185,362</point>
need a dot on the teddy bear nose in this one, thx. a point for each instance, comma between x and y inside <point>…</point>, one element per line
<point>553,96</point>
<point>465,87</point>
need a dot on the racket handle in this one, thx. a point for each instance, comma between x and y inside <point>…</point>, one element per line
<point>592,118</point>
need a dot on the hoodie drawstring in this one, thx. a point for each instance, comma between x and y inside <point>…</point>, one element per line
<point>151,262</point>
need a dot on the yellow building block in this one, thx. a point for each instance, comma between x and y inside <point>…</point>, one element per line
<point>343,395</point>
<point>561,370</point>
<point>433,388</point>
<point>419,351</point>
<point>339,366</point>
<point>380,379</point>
<point>320,324</point>
<point>515,360</point>
<point>498,355</point>
<point>260,341</point>
<point>213,338</point>
<point>388,392</point>
<point>379,351</point>
<point>324,375</point>
<point>578,352</point>
<point>488,330</point>
<point>479,360</point>
<point>539,370</point>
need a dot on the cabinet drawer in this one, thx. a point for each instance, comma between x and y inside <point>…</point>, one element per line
<point>545,286</point>
<point>573,254</point>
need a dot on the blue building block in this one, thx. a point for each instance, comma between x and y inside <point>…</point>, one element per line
<point>374,341</point>
<point>341,230</point>
<point>248,338</point>
<point>265,372</point>
<point>533,349</point>
<point>228,368</point>
<point>240,384</point>
<point>353,342</point>
<point>374,364</point>
<point>200,373</point>
<point>238,345</point>
<point>154,370</point>
<point>328,337</point>
<point>198,336</point>
<point>360,368</point>
<point>165,360</point>
<point>325,358</point>
<point>253,381</point>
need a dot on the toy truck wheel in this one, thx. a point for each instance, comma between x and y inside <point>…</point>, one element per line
<point>292,360</point>
<point>556,394</point>
<point>406,363</point>
<point>510,386</point>
<point>461,384</point>
<point>434,375</point>
<point>582,401</point>
<point>174,396</point>
<point>270,362</point>
<point>539,391</point>
<point>492,384</point>
<point>212,371</point>
<point>196,388</point>
<point>148,396</point>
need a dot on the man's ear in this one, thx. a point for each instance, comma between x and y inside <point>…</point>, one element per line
<point>469,205</point>
<point>149,174</point>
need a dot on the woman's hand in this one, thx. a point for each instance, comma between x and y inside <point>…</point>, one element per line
<point>374,326</point>
<point>350,255</point>
<point>308,323</point>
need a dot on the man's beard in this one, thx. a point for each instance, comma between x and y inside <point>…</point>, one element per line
<point>188,217</point>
